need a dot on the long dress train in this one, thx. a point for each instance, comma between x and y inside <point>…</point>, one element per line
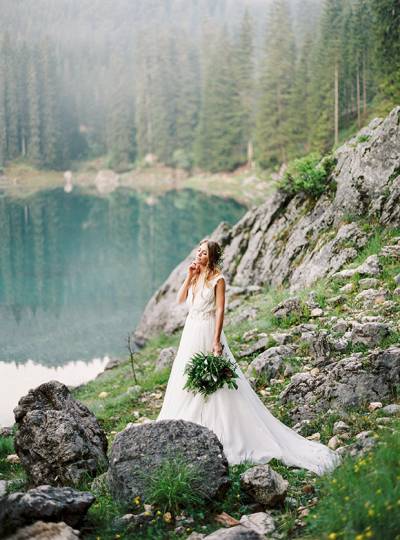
<point>245,427</point>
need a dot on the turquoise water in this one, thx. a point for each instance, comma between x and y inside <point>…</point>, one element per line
<point>77,270</point>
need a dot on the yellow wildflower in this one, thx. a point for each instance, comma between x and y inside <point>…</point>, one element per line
<point>347,498</point>
<point>368,534</point>
<point>159,512</point>
<point>167,517</point>
<point>334,481</point>
<point>332,536</point>
<point>359,537</point>
<point>371,512</point>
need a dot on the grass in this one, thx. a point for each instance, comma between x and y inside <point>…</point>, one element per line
<point>174,485</point>
<point>361,499</point>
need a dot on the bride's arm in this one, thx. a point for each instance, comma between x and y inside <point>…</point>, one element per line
<point>183,291</point>
<point>219,312</point>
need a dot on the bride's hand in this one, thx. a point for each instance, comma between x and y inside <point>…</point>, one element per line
<point>217,348</point>
<point>193,269</point>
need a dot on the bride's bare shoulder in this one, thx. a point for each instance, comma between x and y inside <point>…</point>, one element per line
<point>217,275</point>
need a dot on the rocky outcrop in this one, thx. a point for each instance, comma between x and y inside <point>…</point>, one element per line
<point>44,503</point>
<point>58,439</point>
<point>292,240</point>
<point>340,384</point>
<point>138,451</point>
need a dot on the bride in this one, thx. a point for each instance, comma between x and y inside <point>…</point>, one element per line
<point>245,427</point>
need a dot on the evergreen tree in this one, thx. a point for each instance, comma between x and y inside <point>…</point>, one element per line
<point>120,126</point>
<point>386,32</point>
<point>275,88</point>
<point>219,136</point>
<point>244,73</point>
<point>34,149</point>
<point>300,103</point>
<point>325,77</point>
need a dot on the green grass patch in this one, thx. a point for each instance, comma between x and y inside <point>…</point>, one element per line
<point>174,485</point>
<point>361,499</point>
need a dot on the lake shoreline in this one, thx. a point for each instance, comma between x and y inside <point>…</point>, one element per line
<point>245,185</point>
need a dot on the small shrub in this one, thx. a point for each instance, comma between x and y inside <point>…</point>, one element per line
<point>308,175</point>
<point>174,485</point>
<point>363,138</point>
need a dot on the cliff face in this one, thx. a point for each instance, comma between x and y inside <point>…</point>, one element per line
<point>291,241</point>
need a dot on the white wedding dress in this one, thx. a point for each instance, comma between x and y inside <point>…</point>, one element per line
<point>245,427</point>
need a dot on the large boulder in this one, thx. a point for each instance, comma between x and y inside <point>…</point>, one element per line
<point>293,240</point>
<point>58,439</point>
<point>139,450</point>
<point>45,503</point>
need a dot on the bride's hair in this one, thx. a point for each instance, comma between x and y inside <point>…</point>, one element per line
<point>215,253</point>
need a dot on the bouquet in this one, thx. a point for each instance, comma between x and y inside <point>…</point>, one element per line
<point>207,373</point>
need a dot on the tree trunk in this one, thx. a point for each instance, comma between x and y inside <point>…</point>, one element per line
<point>336,102</point>
<point>358,98</point>
<point>364,77</point>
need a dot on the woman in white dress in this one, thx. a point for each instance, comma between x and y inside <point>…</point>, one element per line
<point>245,427</point>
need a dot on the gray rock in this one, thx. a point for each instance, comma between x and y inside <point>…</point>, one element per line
<point>113,363</point>
<point>397,279</point>
<point>260,345</point>
<point>196,536</point>
<point>238,532</point>
<point>139,450</point>
<point>370,333</point>
<point>165,358</point>
<point>371,297</point>
<point>58,440</point>
<point>46,503</point>
<point>3,487</point>
<point>370,267</point>
<point>46,531</point>
<point>340,427</point>
<point>6,432</point>
<point>368,283</point>
<point>246,314</point>
<point>393,408</point>
<point>261,522</point>
<point>291,306</point>
<point>270,363</point>
<point>264,485</point>
<point>282,338</point>
<point>340,326</point>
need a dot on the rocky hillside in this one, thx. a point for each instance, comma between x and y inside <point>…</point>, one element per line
<point>293,240</point>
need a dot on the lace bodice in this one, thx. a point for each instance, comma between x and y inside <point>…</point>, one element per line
<point>202,304</point>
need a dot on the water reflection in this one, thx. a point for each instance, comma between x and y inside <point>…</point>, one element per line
<point>76,270</point>
<point>29,375</point>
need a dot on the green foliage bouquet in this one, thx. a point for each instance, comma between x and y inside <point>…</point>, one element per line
<point>207,373</point>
